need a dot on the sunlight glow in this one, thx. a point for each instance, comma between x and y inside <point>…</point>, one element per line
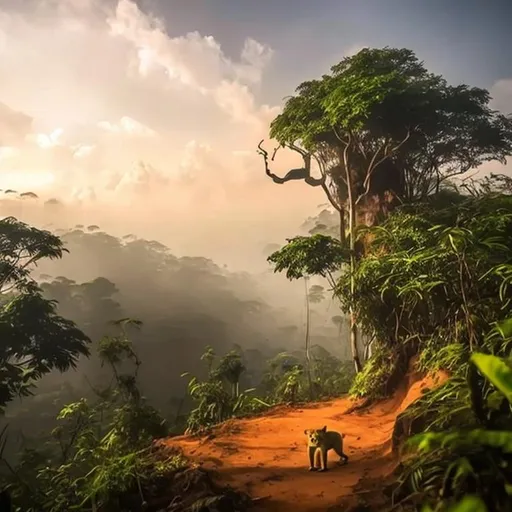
<point>48,141</point>
<point>26,181</point>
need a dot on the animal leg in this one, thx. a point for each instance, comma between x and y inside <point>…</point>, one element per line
<point>343,459</point>
<point>324,460</point>
<point>311,453</point>
<point>318,459</point>
<point>341,455</point>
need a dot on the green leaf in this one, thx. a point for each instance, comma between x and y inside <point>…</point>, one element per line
<point>429,442</point>
<point>496,371</point>
<point>309,255</point>
<point>505,328</point>
<point>469,504</point>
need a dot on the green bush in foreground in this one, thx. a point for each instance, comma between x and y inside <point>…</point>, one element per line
<point>470,468</point>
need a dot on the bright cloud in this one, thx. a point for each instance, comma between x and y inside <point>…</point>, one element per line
<point>82,150</point>
<point>501,93</point>
<point>193,60</point>
<point>106,110</point>
<point>7,152</point>
<point>111,69</point>
<point>26,181</point>
<point>51,140</point>
<point>127,125</point>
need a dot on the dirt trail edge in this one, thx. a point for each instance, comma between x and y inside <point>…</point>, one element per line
<point>266,456</point>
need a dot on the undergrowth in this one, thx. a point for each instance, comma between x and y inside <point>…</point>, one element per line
<point>473,455</point>
<point>433,284</point>
<point>373,380</point>
<point>219,397</point>
<point>100,452</point>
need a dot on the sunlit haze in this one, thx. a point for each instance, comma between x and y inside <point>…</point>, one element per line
<point>144,117</point>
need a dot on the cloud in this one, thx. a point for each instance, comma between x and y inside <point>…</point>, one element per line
<point>84,194</point>
<point>195,61</point>
<point>141,178</point>
<point>112,69</point>
<point>501,93</point>
<point>14,125</point>
<point>129,126</point>
<point>7,152</point>
<point>51,140</point>
<point>27,182</point>
<point>236,100</point>
<point>82,150</point>
<point>254,59</point>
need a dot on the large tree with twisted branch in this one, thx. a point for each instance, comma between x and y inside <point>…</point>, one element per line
<point>382,130</point>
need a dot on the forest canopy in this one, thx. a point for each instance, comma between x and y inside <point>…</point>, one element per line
<point>397,126</point>
<point>384,132</point>
<point>417,264</point>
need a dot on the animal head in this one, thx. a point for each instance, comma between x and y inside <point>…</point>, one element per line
<point>314,435</point>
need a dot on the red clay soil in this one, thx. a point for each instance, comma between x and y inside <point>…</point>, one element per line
<point>266,456</point>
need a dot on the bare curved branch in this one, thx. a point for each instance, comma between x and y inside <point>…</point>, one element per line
<point>301,173</point>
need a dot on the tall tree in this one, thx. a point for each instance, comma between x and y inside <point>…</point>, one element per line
<point>35,340</point>
<point>383,130</point>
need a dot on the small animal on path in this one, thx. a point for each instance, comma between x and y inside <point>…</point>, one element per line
<point>320,441</point>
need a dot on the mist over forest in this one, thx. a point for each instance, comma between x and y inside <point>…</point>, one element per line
<point>242,245</point>
<point>185,304</point>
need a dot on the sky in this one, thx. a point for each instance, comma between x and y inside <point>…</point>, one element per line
<point>145,116</point>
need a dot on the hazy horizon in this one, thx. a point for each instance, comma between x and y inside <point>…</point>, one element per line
<point>144,117</point>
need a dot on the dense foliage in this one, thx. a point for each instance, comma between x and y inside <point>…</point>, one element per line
<point>433,282</point>
<point>468,468</point>
<point>100,455</point>
<point>430,280</point>
<point>284,380</point>
<point>35,339</point>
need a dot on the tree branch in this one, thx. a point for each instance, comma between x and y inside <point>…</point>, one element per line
<point>301,173</point>
<point>374,163</point>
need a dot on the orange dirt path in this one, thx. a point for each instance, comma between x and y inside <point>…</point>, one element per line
<point>266,456</point>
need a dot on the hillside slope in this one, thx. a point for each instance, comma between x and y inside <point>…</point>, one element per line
<point>266,456</point>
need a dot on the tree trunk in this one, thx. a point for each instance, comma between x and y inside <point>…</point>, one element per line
<point>353,341</point>
<point>352,246</point>
<point>368,350</point>
<point>343,235</point>
<point>308,354</point>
